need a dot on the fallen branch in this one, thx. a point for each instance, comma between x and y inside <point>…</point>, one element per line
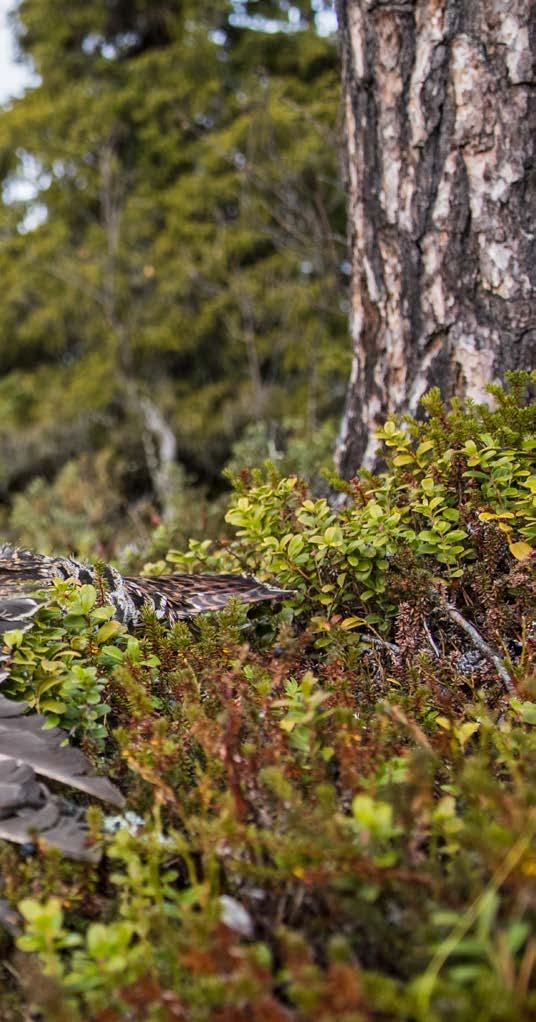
<point>391,646</point>
<point>430,638</point>
<point>481,645</point>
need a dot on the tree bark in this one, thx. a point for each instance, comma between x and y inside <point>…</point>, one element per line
<point>440,128</point>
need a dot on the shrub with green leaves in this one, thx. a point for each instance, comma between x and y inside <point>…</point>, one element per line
<point>332,811</point>
<point>61,665</point>
<point>457,497</point>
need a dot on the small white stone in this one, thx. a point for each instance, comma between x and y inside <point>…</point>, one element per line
<point>235,916</point>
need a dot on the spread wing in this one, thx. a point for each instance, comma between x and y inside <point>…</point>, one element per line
<point>22,570</point>
<point>26,751</point>
<point>182,596</point>
<point>27,807</point>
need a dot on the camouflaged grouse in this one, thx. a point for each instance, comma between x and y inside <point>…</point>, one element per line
<point>27,807</point>
<point>172,597</point>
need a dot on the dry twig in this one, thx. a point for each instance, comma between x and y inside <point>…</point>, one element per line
<point>481,645</point>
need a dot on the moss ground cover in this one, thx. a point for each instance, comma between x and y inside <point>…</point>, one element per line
<point>331,808</point>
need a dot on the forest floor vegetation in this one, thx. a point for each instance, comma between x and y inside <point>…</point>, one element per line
<point>331,802</point>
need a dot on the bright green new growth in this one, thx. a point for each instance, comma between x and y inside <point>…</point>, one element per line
<point>335,800</point>
<point>445,482</point>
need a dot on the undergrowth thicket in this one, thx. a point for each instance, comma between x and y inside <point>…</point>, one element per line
<point>331,802</point>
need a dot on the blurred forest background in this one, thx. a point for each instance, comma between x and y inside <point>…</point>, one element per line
<point>173,264</point>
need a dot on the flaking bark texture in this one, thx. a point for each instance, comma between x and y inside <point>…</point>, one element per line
<point>440,126</point>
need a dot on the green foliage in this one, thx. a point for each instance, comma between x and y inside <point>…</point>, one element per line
<point>62,664</point>
<point>183,243</point>
<point>450,485</point>
<point>286,448</point>
<point>334,803</point>
<point>78,510</point>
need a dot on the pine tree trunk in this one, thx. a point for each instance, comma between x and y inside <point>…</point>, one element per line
<point>440,129</point>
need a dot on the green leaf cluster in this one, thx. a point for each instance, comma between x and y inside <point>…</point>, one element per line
<point>62,664</point>
<point>331,812</point>
<point>174,230</point>
<point>432,513</point>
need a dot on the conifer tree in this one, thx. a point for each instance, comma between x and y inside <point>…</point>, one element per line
<point>173,270</point>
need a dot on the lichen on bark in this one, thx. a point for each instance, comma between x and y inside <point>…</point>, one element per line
<point>440,121</point>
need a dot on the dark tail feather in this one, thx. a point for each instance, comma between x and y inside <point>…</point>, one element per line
<point>27,807</point>
<point>16,612</point>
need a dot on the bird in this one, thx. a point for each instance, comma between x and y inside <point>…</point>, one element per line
<point>29,811</point>
<point>172,598</point>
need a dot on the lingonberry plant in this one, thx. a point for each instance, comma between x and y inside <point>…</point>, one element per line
<point>332,808</point>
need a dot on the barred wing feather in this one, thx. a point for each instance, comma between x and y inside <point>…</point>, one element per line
<point>27,753</point>
<point>182,596</point>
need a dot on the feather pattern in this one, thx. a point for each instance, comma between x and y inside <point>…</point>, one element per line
<point>171,597</point>
<point>27,807</point>
<point>27,753</point>
<point>182,596</point>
